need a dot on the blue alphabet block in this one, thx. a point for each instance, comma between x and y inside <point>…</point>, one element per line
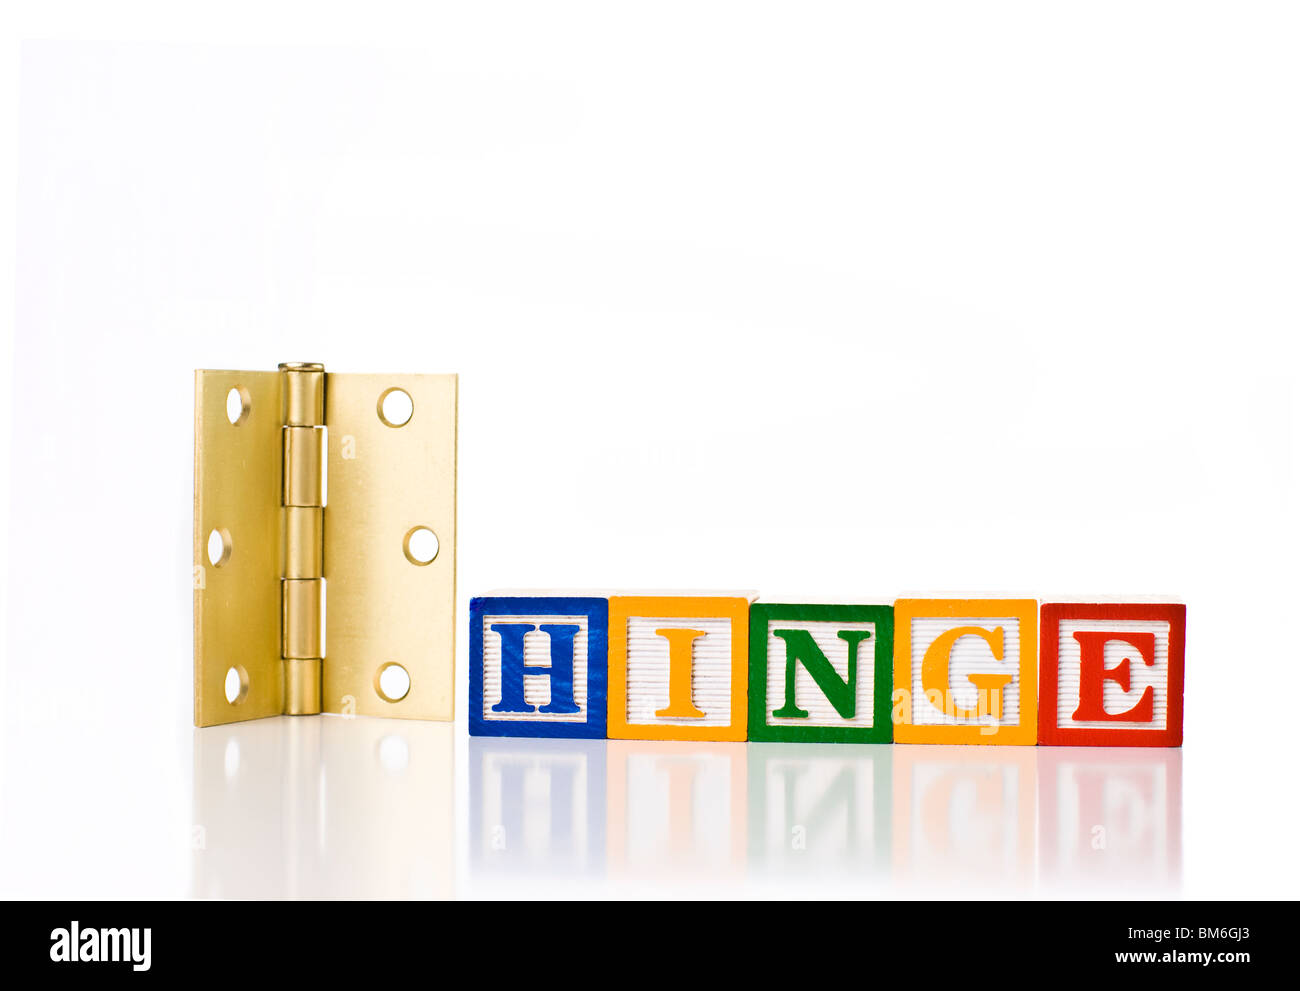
<point>538,666</point>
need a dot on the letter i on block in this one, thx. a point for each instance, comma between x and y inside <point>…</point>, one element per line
<point>678,667</point>
<point>537,666</point>
<point>820,674</point>
<point>1112,675</point>
<point>966,671</point>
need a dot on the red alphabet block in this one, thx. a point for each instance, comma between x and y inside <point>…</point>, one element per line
<point>1111,675</point>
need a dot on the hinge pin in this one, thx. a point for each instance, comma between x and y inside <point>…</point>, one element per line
<point>302,587</point>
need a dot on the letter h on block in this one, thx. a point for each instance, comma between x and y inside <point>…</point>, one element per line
<point>966,671</point>
<point>537,666</point>
<point>1112,675</point>
<point>820,674</point>
<point>678,667</point>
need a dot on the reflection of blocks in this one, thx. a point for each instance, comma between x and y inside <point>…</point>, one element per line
<point>676,810</point>
<point>678,667</point>
<point>966,671</point>
<point>536,807</point>
<point>1112,675</point>
<point>1110,819</point>
<point>820,673</point>
<point>820,810</point>
<point>537,666</point>
<point>964,816</point>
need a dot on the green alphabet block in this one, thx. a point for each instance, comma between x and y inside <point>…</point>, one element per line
<point>821,674</point>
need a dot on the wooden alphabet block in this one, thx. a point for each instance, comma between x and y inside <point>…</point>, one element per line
<point>966,671</point>
<point>820,674</point>
<point>678,667</point>
<point>538,666</point>
<point>1112,675</point>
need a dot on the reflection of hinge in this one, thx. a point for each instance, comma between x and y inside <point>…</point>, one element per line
<point>324,544</point>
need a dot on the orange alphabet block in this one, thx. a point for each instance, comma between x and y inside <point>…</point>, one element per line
<point>966,671</point>
<point>678,667</point>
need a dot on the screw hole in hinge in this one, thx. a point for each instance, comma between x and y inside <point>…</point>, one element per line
<point>236,685</point>
<point>238,405</point>
<point>219,547</point>
<point>395,407</point>
<point>420,545</point>
<point>392,682</point>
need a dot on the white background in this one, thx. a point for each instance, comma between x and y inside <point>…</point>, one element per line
<point>832,301</point>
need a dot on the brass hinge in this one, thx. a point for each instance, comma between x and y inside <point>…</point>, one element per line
<point>324,544</point>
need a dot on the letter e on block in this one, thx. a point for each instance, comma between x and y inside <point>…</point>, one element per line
<point>1112,674</point>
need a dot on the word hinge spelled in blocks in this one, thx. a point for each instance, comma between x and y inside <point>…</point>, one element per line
<point>725,668</point>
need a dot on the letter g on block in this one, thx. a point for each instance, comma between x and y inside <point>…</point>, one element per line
<point>936,675</point>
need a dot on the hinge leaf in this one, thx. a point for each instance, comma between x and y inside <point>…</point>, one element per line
<point>384,607</point>
<point>237,485</point>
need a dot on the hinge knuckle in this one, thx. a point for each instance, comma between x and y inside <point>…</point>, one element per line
<point>304,394</point>
<point>304,541</point>
<point>302,600</point>
<point>304,450</point>
<point>302,686</point>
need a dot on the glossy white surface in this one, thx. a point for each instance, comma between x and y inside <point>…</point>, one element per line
<point>323,808</point>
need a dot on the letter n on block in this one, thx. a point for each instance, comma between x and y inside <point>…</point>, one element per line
<point>966,671</point>
<point>1112,675</point>
<point>820,674</point>
<point>678,667</point>
<point>537,666</point>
